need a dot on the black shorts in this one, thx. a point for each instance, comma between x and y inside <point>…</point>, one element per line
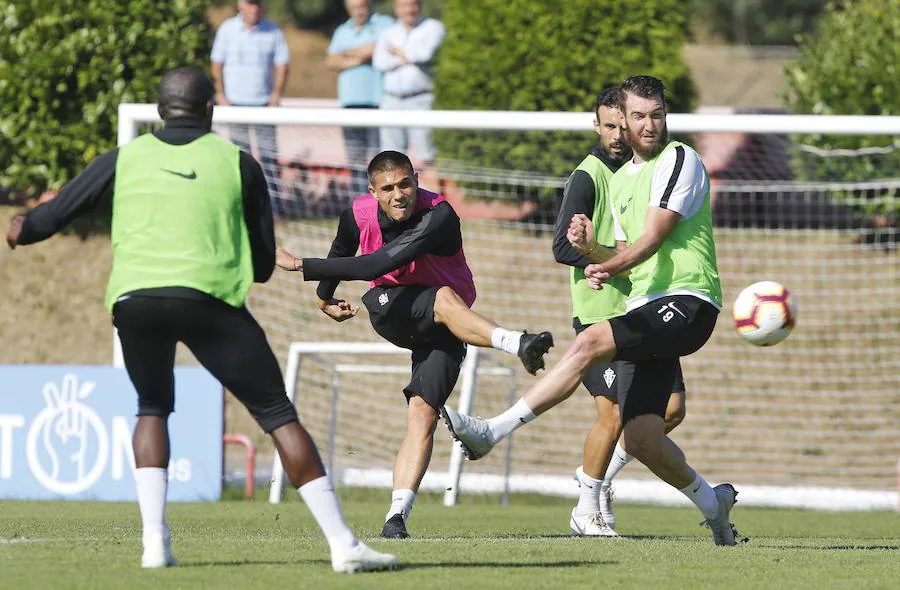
<point>609,378</point>
<point>404,316</point>
<point>226,340</point>
<point>646,387</point>
<point>667,328</point>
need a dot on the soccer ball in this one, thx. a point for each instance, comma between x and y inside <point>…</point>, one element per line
<point>765,313</point>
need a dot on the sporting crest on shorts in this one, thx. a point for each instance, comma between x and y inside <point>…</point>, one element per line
<point>383,299</point>
<point>609,376</point>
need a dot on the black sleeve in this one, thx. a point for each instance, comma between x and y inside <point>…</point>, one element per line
<point>579,197</point>
<point>258,218</point>
<point>345,244</point>
<point>80,195</point>
<point>435,227</point>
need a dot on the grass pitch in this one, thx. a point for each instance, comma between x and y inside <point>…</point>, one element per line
<point>240,544</point>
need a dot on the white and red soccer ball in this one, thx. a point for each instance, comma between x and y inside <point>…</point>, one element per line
<point>765,313</point>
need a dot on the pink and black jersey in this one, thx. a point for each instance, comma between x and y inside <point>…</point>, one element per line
<point>424,250</point>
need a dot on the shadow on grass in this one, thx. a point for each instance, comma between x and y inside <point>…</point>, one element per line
<point>237,562</point>
<point>501,564</point>
<point>837,547</point>
<point>693,539</point>
<point>401,566</point>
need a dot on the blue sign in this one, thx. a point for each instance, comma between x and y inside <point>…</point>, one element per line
<point>65,433</point>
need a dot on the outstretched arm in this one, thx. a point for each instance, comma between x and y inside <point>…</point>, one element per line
<point>346,243</point>
<point>80,195</point>
<point>435,226</point>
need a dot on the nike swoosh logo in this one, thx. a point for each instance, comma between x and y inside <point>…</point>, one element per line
<point>695,490</point>
<point>190,176</point>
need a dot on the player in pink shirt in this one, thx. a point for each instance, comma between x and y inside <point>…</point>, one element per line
<point>421,292</point>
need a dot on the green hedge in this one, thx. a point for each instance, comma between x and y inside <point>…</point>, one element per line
<point>65,66</point>
<point>534,55</point>
<point>850,66</point>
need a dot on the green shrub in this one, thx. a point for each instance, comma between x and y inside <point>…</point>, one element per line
<point>850,67</point>
<point>533,55</point>
<point>65,66</point>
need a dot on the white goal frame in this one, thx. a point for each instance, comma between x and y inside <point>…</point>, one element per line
<point>132,116</point>
<point>470,372</point>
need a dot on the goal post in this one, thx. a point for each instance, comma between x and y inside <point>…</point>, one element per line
<point>322,351</point>
<point>810,422</point>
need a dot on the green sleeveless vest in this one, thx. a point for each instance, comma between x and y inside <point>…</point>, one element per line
<point>686,261</point>
<point>178,220</point>
<point>589,305</point>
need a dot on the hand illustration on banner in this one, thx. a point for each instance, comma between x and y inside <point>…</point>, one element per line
<point>68,429</point>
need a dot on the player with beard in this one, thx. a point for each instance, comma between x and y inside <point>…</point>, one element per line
<point>411,246</point>
<point>587,193</point>
<point>661,205</point>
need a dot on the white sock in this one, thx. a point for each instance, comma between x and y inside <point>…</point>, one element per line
<point>401,503</point>
<point>588,492</point>
<point>703,496</point>
<point>503,425</point>
<point>506,340</point>
<point>619,460</point>
<point>323,503</point>
<point>152,484</point>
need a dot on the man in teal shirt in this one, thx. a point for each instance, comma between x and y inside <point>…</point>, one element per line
<point>359,84</point>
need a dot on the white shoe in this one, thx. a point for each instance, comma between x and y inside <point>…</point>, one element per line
<point>360,558</point>
<point>590,525</point>
<point>722,530</point>
<point>473,433</point>
<point>157,554</point>
<point>605,498</point>
<point>606,509</point>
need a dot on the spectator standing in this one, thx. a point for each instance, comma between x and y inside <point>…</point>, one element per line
<point>249,66</point>
<point>405,53</point>
<point>358,84</point>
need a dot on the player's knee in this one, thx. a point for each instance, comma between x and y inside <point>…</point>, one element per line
<point>422,419</point>
<point>274,415</point>
<point>640,438</point>
<point>608,417</point>
<point>674,417</point>
<point>593,345</point>
<point>446,301</point>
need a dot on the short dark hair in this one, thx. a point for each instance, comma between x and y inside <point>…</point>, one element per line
<point>608,97</point>
<point>185,92</point>
<point>388,160</point>
<point>643,86</point>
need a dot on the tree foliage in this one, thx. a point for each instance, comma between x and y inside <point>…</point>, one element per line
<point>65,66</point>
<point>757,22</point>
<point>850,66</point>
<point>533,55</point>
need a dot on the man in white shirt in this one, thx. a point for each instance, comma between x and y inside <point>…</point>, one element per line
<point>405,53</point>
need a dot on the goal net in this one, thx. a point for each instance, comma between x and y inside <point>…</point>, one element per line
<point>809,422</point>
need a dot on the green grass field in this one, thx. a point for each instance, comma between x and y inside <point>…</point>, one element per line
<point>239,544</point>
